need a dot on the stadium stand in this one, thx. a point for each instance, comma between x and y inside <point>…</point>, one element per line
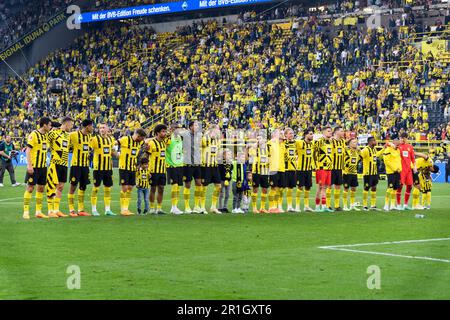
<point>18,17</point>
<point>244,74</point>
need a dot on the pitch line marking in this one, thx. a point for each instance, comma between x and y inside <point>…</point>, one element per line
<point>390,254</point>
<point>2,200</point>
<point>344,246</point>
<point>380,243</point>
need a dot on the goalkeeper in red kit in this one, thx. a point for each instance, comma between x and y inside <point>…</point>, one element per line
<point>408,176</point>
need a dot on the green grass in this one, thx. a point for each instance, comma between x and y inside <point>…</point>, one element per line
<point>222,257</point>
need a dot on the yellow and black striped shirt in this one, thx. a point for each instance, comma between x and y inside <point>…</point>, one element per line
<point>261,160</point>
<point>157,156</point>
<point>143,178</point>
<point>305,151</point>
<point>103,148</point>
<point>210,149</point>
<point>39,147</point>
<point>323,152</point>
<point>290,156</point>
<point>79,143</point>
<point>129,150</point>
<point>351,159</point>
<point>59,144</point>
<point>338,153</point>
<point>369,156</point>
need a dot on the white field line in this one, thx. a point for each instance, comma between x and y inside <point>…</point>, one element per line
<point>344,246</point>
<point>390,254</point>
<point>9,199</point>
<point>380,243</point>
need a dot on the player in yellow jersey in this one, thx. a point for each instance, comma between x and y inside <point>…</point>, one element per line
<point>36,152</point>
<point>260,172</point>
<point>323,150</point>
<point>276,171</point>
<point>103,150</point>
<point>350,174</point>
<point>305,167</point>
<point>290,164</point>
<point>156,153</point>
<point>425,167</point>
<point>79,168</point>
<point>370,157</point>
<point>129,149</point>
<point>337,179</point>
<point>58,140</point>
<point>210,169</point>
<point>393,162</point>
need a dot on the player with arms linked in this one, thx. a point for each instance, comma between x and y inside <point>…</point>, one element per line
<point>36,152</point>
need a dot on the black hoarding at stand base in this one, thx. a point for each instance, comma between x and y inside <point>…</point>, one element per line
<point>225,309</point>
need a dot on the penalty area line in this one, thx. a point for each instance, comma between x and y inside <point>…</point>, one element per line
<point>345,246</point>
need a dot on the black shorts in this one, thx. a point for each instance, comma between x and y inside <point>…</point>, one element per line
<point>158,179</point>
<point>350,180</point>
<point>210,175</point>
<point>39,177</point>
<point>370,181</point>
<point>175,175</point>
<point>127,177</point>
<point>276,180</point>
<point>393,180</point>
<point>260,180</point>
<point>191,172</point>
<point>304,179</point>
<point>337,178</point>
<point>290,179</point>
<point>61,172</point>
<point>103,176</point>
<point>79,175</point>
<point>416,179</point>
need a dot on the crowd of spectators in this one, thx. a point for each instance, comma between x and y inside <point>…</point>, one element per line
<point>19,17</point>
<point>238,75</point>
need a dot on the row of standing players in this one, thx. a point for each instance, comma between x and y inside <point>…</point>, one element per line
<point>277,166</point>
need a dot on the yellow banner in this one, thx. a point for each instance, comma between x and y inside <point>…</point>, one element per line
<point>348,21</point>
<point>437,47</point>
<point>285,26</point>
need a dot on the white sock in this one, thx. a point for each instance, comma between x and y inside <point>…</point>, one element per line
<point>107,208</point>
<point>94,208</point>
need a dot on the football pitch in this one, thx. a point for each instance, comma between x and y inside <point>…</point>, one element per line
<point>252,256</point>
